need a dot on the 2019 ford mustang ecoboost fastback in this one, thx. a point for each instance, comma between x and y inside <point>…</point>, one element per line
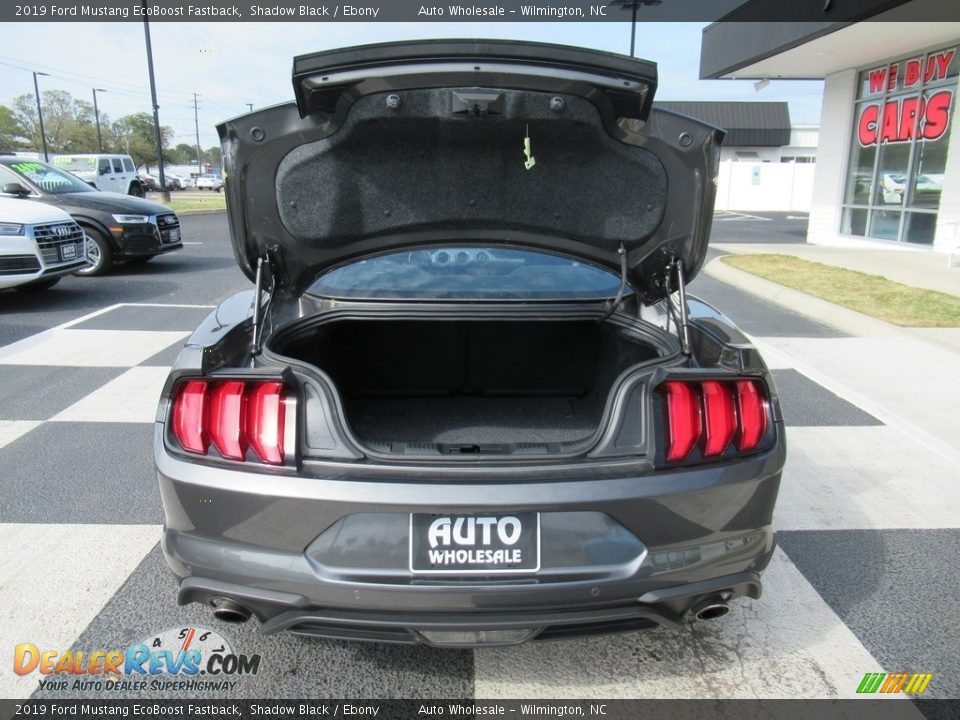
<point>469,400</point>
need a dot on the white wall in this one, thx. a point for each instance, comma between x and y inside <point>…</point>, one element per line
<point>836,126</point>
<point>764,154</point>
<point>765,186</point>
<point>947,235</point>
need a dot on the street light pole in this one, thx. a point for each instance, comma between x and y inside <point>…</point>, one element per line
<point>96,114</point>
<point>633,28</point>
<point>43,137</point>
<point>196,127</point>
<point>250,106</point>
<point>164,193</point>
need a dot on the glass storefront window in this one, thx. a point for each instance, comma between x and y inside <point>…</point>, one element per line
<point>920,228</point>
<point>899,149</point>
<point>854,221</point>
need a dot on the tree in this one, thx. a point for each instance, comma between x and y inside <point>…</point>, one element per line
<point>68,123</point>
<point>13,135</point>
<point>212,155</point>
<point>182,154</point>
<point>133,134</point>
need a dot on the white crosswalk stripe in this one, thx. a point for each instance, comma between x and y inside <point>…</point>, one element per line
<point>54,579</point>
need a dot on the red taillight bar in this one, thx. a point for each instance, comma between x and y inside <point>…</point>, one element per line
<point>753,414</point>
<point>232,415</point>
<point>720,415</point>
<point>265,422</point>
<point>226,419</point>
<point>683,415</point>
<point>720,411</point>
<point>189,413</point>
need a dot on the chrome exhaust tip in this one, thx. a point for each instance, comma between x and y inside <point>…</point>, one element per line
<point>712,608</point>
<point>228,611</point>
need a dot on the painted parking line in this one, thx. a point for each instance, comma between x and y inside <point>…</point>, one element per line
<point>10,430</point>
<point>132,397</point>
<point>88,348</point>
<point>56,579</point>
<point>854,367</point>
<point>759,650</point>
<point>864,478</point>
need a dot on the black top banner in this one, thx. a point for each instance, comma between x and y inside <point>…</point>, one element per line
<point>479,11</point>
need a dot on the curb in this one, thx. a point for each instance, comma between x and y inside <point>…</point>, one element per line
<point>836,316</point>
<point>200,211</point>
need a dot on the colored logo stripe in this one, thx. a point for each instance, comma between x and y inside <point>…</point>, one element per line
<point>913,683</point>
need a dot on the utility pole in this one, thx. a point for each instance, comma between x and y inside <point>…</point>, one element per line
<point>43,137</point>
<point>196,126</point>
<point>164,194</point>
<point>96,114</point>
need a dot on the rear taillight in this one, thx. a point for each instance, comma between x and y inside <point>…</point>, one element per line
<point>683,419</point>
<point>234,416</point>
<point>706,419</point>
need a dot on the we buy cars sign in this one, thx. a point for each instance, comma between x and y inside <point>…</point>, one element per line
<point>901,119</point>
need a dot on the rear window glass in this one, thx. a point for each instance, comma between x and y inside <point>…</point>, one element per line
<point>468,273</point>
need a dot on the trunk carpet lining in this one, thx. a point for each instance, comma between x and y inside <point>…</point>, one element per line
<point>471,420</point>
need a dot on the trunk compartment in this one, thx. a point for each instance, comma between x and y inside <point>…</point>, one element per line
<point>470,386</point>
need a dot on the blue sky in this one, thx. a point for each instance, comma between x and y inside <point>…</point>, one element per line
<point>231,64</point>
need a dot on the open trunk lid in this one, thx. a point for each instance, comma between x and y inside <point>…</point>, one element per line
<point>490,142</point>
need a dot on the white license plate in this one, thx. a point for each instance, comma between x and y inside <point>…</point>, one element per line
<point>68,252</point>
<point>469,544</point>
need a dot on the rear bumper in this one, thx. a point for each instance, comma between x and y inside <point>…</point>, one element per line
<point>293,613</point>
<point>328,557</point>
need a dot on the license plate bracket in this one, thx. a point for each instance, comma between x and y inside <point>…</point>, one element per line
<point>474,543</point>
<point>68,252</point>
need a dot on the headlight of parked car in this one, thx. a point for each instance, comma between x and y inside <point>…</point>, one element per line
<point>10,229</point>
<point>132,219</point>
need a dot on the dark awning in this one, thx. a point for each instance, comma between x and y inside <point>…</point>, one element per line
<point>748,124</point>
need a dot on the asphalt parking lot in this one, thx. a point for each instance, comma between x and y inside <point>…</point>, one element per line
<point>863,580</point>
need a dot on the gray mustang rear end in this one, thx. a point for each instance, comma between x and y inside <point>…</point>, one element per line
<point>468,400</point>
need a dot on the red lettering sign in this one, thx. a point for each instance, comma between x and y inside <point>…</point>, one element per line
<point>867,127</point>
<point>937,115</point>
<point>901,120</point>
<point>912,75</point>
<point>877,79</point>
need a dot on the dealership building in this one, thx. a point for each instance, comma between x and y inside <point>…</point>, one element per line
<point>888,158</point>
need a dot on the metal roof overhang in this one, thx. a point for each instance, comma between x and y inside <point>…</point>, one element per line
<point>737,49</point>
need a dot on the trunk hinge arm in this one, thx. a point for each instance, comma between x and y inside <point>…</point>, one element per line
<point>612,305</point>
<point>267,264</point>
<point>675,272</point>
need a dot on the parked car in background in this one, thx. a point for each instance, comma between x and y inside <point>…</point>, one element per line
<point>118,227</point>
<point>210,182</point>
<point>113,173</point>
<point>39,244</point>
<point>179,182</point>
<point>149,182</point>
<point>469,407</point>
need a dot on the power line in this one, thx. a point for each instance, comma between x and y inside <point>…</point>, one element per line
<point>79,75</point>
<point>114,86</point>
